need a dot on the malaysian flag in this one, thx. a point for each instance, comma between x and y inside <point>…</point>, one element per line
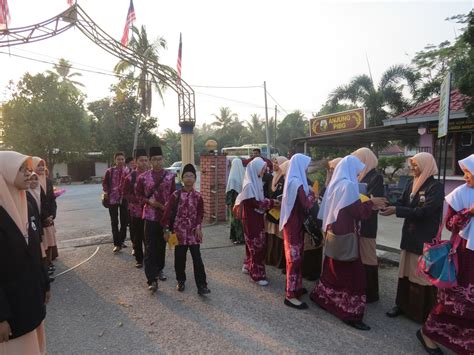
<point>70,2</point>
<point>4,14</point>
<point>128,24</point>
<point>180,52</point>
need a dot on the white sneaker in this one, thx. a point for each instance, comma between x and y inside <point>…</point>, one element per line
<point>262,283</point>
<point>245,270</point>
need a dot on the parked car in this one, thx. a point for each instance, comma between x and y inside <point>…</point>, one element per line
<point>175,168</point>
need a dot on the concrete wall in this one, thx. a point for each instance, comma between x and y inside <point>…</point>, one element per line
<point>60,168</point>
<point>100,168</point>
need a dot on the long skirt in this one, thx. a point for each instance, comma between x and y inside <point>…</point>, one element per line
<point>415,295</point>
<point>341,289</point>
<point>255,249</point>
<point>312,260</point>
<point>451,322</point>
<point>294,248</point>
<point>236,230</point>
<point>275,255</point>
<point>32,343</point>
<point>49,240</point>
<point>368,254</point>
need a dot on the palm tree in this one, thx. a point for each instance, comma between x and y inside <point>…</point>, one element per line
<point>224,119</point>
<point>147,81</point>
<point>63,71</point>
<point>382,102</point>
<point>256,128</point>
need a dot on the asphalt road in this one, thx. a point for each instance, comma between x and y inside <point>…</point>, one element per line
<point>103,306</point>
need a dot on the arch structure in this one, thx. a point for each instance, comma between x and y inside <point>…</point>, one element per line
<point>75,16</point>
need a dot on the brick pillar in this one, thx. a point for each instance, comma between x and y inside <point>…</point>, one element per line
<point>213,166</point>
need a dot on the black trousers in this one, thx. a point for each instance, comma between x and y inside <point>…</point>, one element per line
<point>180,252</point>
<point>119,234</point>
<point>155,250</point>
<point>137,235</point>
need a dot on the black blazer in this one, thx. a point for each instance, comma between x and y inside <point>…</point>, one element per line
<point>23,276</point>
<point>422,215</point>
<point>48,201</point>
<point>374,181</point>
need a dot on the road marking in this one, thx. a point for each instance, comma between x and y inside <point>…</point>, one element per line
<point>82,262</point>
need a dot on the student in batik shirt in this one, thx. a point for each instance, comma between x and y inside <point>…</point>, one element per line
<point>112,187</point>
<point>183,216</point>
<point>297,198</point>
<point>135,206</point>
<point>154,188</point>
<point>252,204</point>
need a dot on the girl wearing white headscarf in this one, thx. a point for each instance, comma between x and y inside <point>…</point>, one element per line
<point>297,198</point>
<point>24,284</point>
<point>234,187</point>
<point>253,204</point>
<point>48,212</point>
<point>421,206</point>
<point>368,229</point>
<point>451,322</point>
<point>341,288</point>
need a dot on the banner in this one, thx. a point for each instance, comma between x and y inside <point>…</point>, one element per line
<point>346,121</point>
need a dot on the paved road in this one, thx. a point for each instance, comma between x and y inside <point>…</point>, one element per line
<point>103,306</point>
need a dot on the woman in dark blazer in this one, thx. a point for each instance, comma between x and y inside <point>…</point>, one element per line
<point>24,284</point>
<point>421,205</point>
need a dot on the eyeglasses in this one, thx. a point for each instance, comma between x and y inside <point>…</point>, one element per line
<point>24,169</point>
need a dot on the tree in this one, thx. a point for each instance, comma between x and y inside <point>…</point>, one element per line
<point>224,119</point>
<point>44,118</point>
<point>147,81</point>
<point>172,146</point>
<point>63,71</point>
<point>382,102</point>
<point>396,163</point>
<point>465,69</point>
<point>256,128</point>
<point>293,126</point>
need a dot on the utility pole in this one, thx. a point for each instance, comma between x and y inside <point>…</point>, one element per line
<point>266,120</point>
<point>275,129</point>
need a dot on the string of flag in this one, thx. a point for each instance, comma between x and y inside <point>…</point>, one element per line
<point>128,24</point>
<point>180,52</point>
<point>4,14</point>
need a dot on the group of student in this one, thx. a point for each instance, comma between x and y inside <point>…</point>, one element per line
<point>348,276</point>
<point>27,250</point>
<point>145,198</point>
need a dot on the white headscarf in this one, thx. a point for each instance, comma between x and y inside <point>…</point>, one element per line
<point>12,199</point>
<point>463,197</point>
<point>295,177</point>
<point>342,191</point>
<point>252,187</point>
<point>236,176</point>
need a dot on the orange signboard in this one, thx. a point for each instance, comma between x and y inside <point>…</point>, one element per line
<point>352,120</point>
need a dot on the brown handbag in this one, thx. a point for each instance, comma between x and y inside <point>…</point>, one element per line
<point>341,247</point>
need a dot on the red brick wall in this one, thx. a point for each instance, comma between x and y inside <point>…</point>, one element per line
<point>208,176</point>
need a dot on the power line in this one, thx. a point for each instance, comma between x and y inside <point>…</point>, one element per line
<point>227,87</point>
<point>232,100</point>
<point>277,102</point>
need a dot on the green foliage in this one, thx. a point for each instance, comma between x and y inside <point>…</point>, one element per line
<point>46,115</point>
<point>171,146</point>
<point>465,69</point>
<point>63,71</point>
<point>293,126</point>
<point>395,163</point>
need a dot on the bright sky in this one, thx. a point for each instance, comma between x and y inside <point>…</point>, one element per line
<point>302,49</point>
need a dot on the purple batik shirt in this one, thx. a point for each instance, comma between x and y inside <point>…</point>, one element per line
<point>135,205</point>
<point>146,189</point>
<point>189,215</point>
<point>112,184</point>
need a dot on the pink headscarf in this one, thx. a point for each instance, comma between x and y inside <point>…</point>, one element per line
<point>367,157</point>
<point>41,178</point>
<point>428,168</point>
<point>281,171</point>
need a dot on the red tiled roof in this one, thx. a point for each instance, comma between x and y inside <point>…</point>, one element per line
<point>432,107</point>
<point>392,149</point>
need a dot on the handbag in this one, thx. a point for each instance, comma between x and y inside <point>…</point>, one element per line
<point>273,215</point>
<point>313,225</point>
<point>439,261</point>
<point>341,247</point>
<point>105,201</point>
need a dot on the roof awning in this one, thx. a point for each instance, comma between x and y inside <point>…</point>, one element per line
<point>381,134</point>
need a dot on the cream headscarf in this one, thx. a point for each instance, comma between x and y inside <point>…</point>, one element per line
<point>463,197</point>
<point>427,165</point>
<point>367,157</point>
<point>281,172</point>
<point>12,199</point>
<point>41,178</point>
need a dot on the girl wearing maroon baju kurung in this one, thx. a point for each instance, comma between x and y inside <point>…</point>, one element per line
<point>341,289</point>
<point>451,321</point>
<point>297,198</point>
<point>253,206</point>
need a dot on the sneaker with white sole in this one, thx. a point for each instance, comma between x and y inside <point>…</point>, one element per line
<point>262,282</point>
<point>245,270</point>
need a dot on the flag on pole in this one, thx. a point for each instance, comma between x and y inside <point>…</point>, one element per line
<point>4,14</point>
<point>180,52</point>
<point>128,24</point>
<point>70,2</point>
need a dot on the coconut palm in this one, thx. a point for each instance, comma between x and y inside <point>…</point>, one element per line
<point>224,119</point>
<point>63,71</point>
<point>256,128</point>
<point>147,81</point>
<point>384,101</point>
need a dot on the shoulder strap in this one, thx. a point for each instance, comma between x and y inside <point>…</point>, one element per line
<point>158,183</point>
<point>174,211</point>
<point>134,177</point>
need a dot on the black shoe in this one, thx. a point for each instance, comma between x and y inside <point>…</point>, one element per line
<point>303,305</point>
<point>50,272</point>
<point>161,276</point>
<point>357,324</point>
<point>51,279</point>
<point>153,286</point>
<point>394,312</point>
<point>52,267</point>
<point>431,351</point>
<point>180,286</point>
<point>203,291</point>
<point>117,249</point>
<point>139,265</point>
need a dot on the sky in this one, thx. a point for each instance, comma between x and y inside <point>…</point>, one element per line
<point>302,49</point>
